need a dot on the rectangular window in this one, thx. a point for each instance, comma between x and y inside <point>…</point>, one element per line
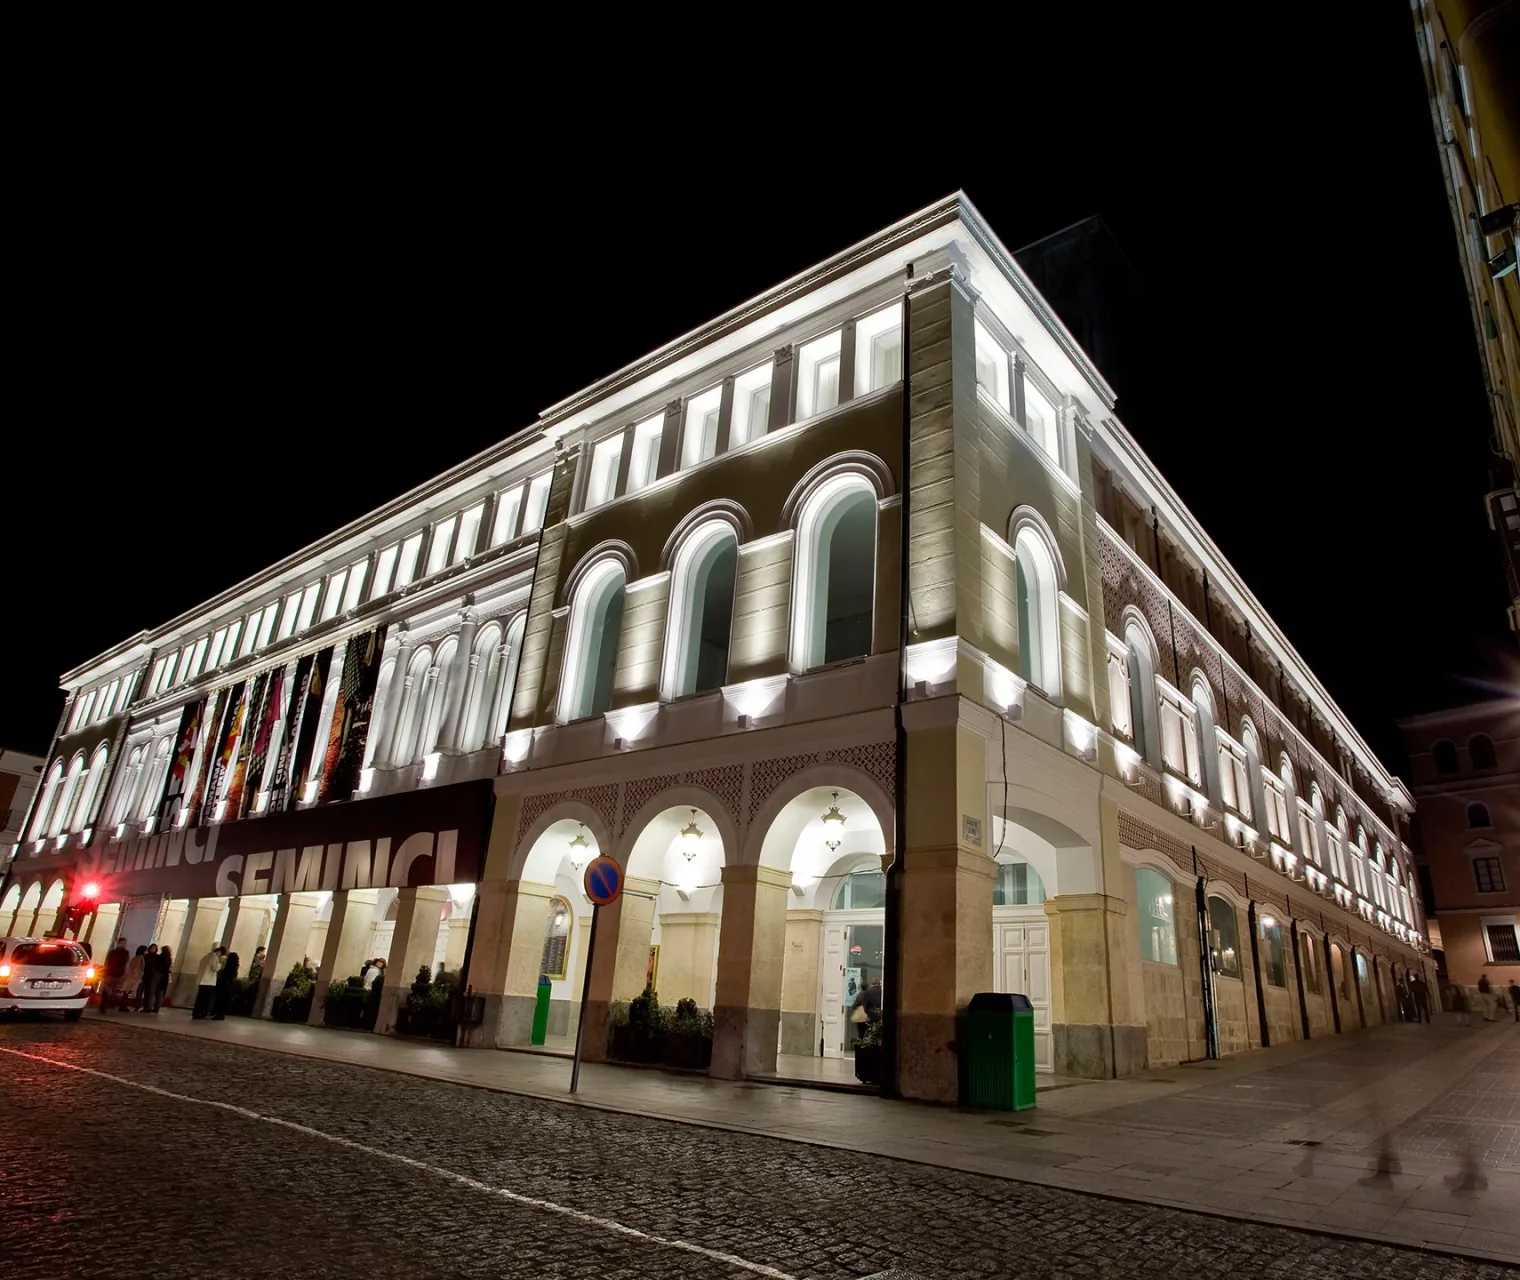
<point>442,544</point>
<point>251,632</point>
<point>110,701</point>
<point>537,502</point>
<point>353,593</point>
<point>992,368</point>
<point>1489,874</point>
<point>1503,945</point>
<point>699,438</point>
<point>186,656</point>
<point>1158,921</point>
<point>406,564</point>
<point>601,484</point>
<point>332,602</point>
<point>1040,420</point>
<point>215,658</point>
<point>469,531</point>
<point>288,615</point>
<point>1277,809</point>
<point>198,657</point>
<point>752,405</point>
<point>266,628</point>
<point>1359,873</point>
<point>1179,737</point>
<point>233,632</point>
<point>878,350</point>
<point>308,605</point>
<point>1118,693</point>
<point>1308,835</point>
<point>385,566</point>
<point>1337,855</point>
<point>644,460</point>
<point>504,526</point>
<point>818,376</point>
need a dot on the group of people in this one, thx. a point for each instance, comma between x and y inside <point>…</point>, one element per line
<point>1488,1002</point>
<point>214,983</point>
<point>136,981</point>
<point>1414,999</point>
<point>373,971</point>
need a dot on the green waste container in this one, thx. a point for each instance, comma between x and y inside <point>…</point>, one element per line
<point>541,1011</point>
<point>1000,1051</point>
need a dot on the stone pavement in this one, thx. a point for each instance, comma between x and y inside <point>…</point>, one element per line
<point>1404,1134</point>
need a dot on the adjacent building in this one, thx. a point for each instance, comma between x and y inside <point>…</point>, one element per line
<point>1468,54</point>
<point>19,775</point>
<point>856,627</point>
<point>1465,765</point>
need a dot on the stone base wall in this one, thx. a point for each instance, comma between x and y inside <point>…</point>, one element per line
<point>1166,1020</point>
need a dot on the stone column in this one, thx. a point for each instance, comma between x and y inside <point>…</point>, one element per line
<point>199,936</point>
<point>751,955</point>
<point>688,947</point>
<point>171,926</point>
<point>348,932</point>
<point>621,964</point>
<point>412,945</point>
<point>395,699</point>
<point>103,932</point>
<point>1093,1038</point>
<point>458,934</point>
<point>287,945</point>
<point>799,983</point>
<point>245,925</point>
<point>510,929</point>
<point>461,681</point>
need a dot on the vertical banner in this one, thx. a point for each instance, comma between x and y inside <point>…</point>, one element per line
<point>258,759</point>
<point>179,764</point>
<point>253,709</point>
<point>232,728</point>
<point>208,756</point>
<point>350,724</point>
<point>279,782</point>
<point>311,724</point>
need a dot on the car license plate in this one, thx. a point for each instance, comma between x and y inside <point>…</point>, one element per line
<point>47,984</point>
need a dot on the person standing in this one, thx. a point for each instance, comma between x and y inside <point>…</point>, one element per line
<point>1486,997</point>
<point>1421,995</point>
<point>117,959</point>
<point>205,983</point>
<point>224,985</point>
<point>1459,1005</point>
<point>132,979</point>
<point>158,979</point>
<point>1514,999</point>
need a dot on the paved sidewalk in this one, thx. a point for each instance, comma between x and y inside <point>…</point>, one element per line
<point>1404,1134</point>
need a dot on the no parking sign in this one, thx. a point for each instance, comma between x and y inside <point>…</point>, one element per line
<point>603,881</point>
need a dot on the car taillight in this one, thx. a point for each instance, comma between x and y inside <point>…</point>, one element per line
<point>89,974</point>
<point>5,971</point>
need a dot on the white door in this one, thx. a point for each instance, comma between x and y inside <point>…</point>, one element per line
<point>1023,966</point>
<point>831,998</point>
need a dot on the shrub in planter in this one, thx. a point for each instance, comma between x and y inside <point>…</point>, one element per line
<point>242,996</point>
<point>350,1005</point>
<point>868,1054</point>
<point>686,1038</point>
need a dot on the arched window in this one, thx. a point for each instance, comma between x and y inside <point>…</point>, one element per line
<point>1477,816</point>
<point>1446,756</point>
<point>67,792</point>
<point>1340,971</point>
<point>499,708</point>
<point>1224,938</point>
<point>1017,885</point>
<point>861,891</point>
<point>1143,713</point>
<point>556,957</point>
<point>701,610</point>
<point>1208,740</point>
<point>383,710</point>
<point>834,582</point>
<point>408,714</point>
<point>1481,748</point>
<point>49,799</point>
<point>441,696</point>
<point>1273,958</point>
<point>596,619</point>
<point>1308,963</point>
<point>153,778</point>
<point>1257,812</point>
<point>1158,917</point>
<point>121,806</point>
<point>89,794</point>
<point>1039,612</point>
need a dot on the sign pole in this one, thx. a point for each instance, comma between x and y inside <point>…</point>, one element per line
<point>580,1032</point>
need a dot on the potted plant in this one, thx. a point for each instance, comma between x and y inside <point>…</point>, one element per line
<point>293,1004</point>
<point>868,1053</point>
<point>686,1039</point>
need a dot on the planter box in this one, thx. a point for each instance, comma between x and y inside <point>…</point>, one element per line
<point>686,1052</point>
<point>291,1008</point>
<point>868,1063</point>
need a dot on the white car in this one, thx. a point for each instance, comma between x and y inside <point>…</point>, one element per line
<point>46,975</point>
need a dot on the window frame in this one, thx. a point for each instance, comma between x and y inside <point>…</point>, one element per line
<point>1143,875</point>
<point>1493,864</point>
<point>1499,922</point>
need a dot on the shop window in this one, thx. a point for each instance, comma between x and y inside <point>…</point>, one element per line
<point>1445,754</point>
<point>818,376</point>
<point>878,349</point>
<point>1224,938</point>
<point>1272,957</point>
<point>596,619</point>
<point>1478,816</point>
<point>601,484</point>
<point>752,405</point>
<point>1489,875</point>
<point>992,369</point>
<point>701,610</point>
<point>1039,612</point>
<point>700,438</point>
<point>834,586</point>
<point>556,957</point>
<point>1017,885</point>
<point>1481,749</point>
<point>1158,922</point>
<point>861,891</point>
<point>644,459</point>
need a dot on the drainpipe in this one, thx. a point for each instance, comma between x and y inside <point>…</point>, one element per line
<point>1298,971</point>
<point>891,959</point>
<point>1261,996</point>
<point>1206,969</point>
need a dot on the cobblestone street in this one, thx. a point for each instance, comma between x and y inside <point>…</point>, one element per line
<point>170,1156</point>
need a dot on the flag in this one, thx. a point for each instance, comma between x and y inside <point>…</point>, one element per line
<point>258,759</point>
<point>350,722</point>
<point>253,707</point>
<point>179,765</point>
<point>279,783</point>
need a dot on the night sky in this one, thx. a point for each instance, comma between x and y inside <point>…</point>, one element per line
<point>242,335</point>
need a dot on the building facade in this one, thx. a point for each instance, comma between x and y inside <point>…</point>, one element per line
<point>1465,764</point>
<point>856,628</point>
<point>1467,52</point>
<point>19,775</point>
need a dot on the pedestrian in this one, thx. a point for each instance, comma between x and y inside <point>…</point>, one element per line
<point>158,982</point>
<point>364,969</point>
<point>1514,999</point>
<point>1406,1002</point>
<point>132,980</point>
<point>1459,1005</point>
<point>117,959</point>
<point>205,982</point>
<point>224,982</point>
<point>256,966</point>
<point>1421,998</point>
<point>1486,997</point>
<point>149,977</point>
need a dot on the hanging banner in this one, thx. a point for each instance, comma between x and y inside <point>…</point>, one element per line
<point>232,728</point>
<point>350,724</point>
<point>258,758</point>
<point>253,706</point>
<point>279,783</point>
<point>311,725</point>
<point>434,836</point>
<point>208,746</point>
<point>179,764</point>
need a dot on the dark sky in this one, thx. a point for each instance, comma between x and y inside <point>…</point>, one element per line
<point>244,332</point>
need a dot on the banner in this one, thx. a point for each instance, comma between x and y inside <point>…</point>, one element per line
<point>434,836</point>
<point>253,706</point>
<point>179,765</point>
<point>208,747</point>
<point>350,724</point>
<point>232,728</point>
<point>258,758</point>
<point>279,783</point>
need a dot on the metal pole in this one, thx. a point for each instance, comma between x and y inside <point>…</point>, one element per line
<point>580,1031</point>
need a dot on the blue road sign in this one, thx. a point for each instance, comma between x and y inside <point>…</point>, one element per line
<point>604,881</point>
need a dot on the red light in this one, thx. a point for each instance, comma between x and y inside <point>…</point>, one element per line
<point>5,971</point>
<point>89,974</point>
<point>91,890</point>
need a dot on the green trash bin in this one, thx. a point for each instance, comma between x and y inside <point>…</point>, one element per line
<point>541,1012</point>
<point>1000,1051</point>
